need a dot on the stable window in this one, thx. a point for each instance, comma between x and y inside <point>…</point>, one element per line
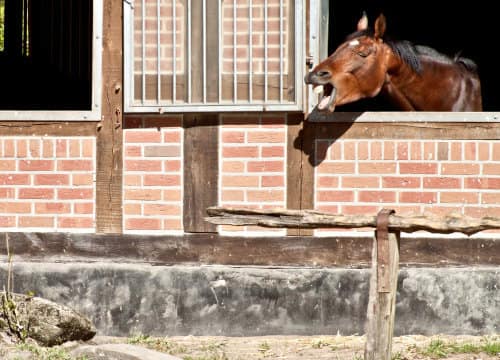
<point>449,27</point>
<point>213,55</point>
<point>50,59</point>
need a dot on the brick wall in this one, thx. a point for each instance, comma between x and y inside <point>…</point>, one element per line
<point>253,163</point>
<point>411,176</point>
<point>152,175</point>
<point>47,183</point>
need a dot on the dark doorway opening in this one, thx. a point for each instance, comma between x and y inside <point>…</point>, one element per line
<point>448,26</point>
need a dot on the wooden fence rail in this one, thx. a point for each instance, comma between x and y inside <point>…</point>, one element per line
<point>385,254</point>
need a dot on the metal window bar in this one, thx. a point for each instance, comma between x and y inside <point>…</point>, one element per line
<point>141,102</point>
<point>174,53</point>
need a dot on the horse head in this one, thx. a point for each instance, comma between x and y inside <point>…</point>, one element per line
<point>356,70</point>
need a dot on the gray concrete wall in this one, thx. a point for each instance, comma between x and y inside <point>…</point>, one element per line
<point>128,299</point>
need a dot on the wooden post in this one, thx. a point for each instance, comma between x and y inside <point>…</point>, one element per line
<point>383,288</point>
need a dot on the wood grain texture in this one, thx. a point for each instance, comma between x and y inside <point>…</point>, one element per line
<point>48,128</point>
<point>201,170</point>
<point>342,252</point>
<point>110,137</point>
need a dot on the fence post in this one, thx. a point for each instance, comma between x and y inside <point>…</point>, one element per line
<point>383,288</point>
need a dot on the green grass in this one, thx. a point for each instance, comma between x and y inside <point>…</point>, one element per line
<point>48,353</point>
<point>439,349</point>
<point>157,343</point>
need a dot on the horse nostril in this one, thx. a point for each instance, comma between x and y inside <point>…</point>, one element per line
<point>323,73</point>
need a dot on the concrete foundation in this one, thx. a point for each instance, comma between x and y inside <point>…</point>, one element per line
<point>127,299</point>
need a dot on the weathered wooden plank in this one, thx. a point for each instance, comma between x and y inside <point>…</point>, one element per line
<point>351,252</point>
<point>277,218</point>
<point>109,137</point>
<point>382,304</point>
<point>409,130</point>
<point>48,128</point>
<point>300,172</point>
<point>200,169</point>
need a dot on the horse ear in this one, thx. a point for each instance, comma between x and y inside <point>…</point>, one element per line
<point>380,25</point>
<point>363,22</point>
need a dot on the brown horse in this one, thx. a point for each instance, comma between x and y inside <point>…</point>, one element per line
<point>414,78</point>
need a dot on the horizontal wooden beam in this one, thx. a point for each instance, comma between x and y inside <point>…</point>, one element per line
<point>214,249</point>
<point>283,218</point>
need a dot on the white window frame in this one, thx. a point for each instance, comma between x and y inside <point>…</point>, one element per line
<point>299,55</point>
<point>94,114</point>
<point>318,46</point>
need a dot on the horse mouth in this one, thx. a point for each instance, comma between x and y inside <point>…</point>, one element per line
<point>326,97</point>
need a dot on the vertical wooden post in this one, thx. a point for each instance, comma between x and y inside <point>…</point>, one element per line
<point>383,288</point>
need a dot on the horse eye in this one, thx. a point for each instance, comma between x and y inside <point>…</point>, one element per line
<point>363,54</point>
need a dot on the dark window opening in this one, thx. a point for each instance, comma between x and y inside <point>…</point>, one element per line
<point>448,26</point>
<point>46,54</point>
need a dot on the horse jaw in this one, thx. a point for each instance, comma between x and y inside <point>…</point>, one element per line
<point>326,102</point>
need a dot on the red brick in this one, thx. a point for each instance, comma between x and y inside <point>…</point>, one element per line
<point>233,137</point>
<point>51,179</point>
<point>143,165</point>
<point>143,224</point>
<point>36,221</point>
<point>233,195</point>
<point>335,150</point>
<point>459,169</point>
<point>491,169</point>
<point>459,197</point>
<point>328,181</point>
<point>162,180</point>
<point>416,150</point>
<point>22,148</point>
<point>88,148</point>
<point>482,211</point>
<point>15,207</point>
<point>439,210</point>
<point>400,182</point>
<point>335,195</point>
<point>172,137</point>
<point>82,179</point>
<point>336,168</point>
<point>133,151</point>
<point>265,195</point>
<point>83,208</point>
<point>7,221</point>
<point>141,194</point>
<point>172,165</point>
<point>402,151</point>
<point>273,181</point>
<point>36,165</point>
<point>61,148</point>
<point>483,183</point>
<point>233,166</point>
<point>483,151</point>
<point>33,193</point>
<point>75,165</point>
<point>132,180</point>
<point>376,150</point>
<point>9,148</point>
<point>349,150</point>
<point>470,151</point>
<point>332,209</point>
<point>240,152</point>
<point>7,165</point>
<point>418,197</point>
<point>360,182</point>
<point>14,179</point>
<point>417,168</point>
<point>490,198</point>
<point>377,196</point>
<point>389,150</point>
<point>363,150</point>
<point>75,222</point>
<point>172,224</point>
<point>430,151</point>
<point>377,167</point>
<point>48,148</point>
<point>52,208</point>
<point>240,181</point>
<point>161,209</point>
<point>68,194</point>
<point>272,151</point>
<point>74,148</point>
<point>172,195</point>
<point>132,209</point>
<point>456,151</point>
<point>359,210</point>
<point>265,166</point>
<point>442,183</point>
<point>141,136</point>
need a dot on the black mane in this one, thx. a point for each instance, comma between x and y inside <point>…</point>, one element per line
<point>411,53</point>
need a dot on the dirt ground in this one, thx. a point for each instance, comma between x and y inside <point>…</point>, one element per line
<point>297,347</point>
<point>325,347</point>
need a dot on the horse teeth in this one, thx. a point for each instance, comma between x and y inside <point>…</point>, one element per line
<point>318,89</point>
